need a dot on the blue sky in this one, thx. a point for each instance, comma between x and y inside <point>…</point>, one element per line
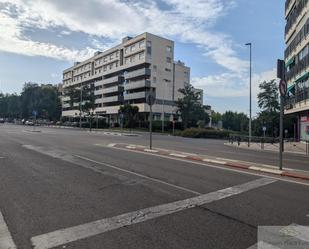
<point>40,38</point>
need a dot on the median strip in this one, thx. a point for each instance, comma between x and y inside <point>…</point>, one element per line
<point>269,169</point>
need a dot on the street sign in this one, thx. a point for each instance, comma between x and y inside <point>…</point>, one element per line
<point>282,87</point>
<point>264,128</point>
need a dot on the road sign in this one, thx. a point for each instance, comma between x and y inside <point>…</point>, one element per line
<point>282,87</point>
<point>264,128</point>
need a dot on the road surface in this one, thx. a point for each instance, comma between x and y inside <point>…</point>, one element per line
<point>59,189</point>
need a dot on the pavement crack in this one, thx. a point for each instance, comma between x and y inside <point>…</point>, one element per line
<point>228,217</point>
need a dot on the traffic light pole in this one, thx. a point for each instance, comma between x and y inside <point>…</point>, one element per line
<point>150,127</point>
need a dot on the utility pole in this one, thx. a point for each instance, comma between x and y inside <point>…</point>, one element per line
<point>283,91</point>
<point>80,105</point>
<point>250,98</point>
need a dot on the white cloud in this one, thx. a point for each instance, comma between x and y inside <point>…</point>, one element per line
<point>232,85</point>
<point>186,21</point>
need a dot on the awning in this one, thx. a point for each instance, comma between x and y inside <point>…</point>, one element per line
<point>291,89</point>
<point>290,61</point>
<point>304,76</point>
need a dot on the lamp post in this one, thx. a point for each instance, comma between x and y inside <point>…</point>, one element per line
<point>80,105</point>
<point>250,101</point>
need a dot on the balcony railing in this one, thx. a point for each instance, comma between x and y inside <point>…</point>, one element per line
<point>137,95</point>
<point>295,14</point>
<point>112,99</point>
<point>137,84</point>
<point>138,73</point>
<point>302,95</point>
<point>112,89</point>
<point>298,68</point>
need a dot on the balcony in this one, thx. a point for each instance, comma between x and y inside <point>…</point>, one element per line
<point>138,73</point>
<point>299,97</point>
<point>137,84</point>
<point>98,101</point>
<point>115,79</point>
<point>113,89</point>
<point>137,95</point>
<point>98,92</point>
<point>111,99</point>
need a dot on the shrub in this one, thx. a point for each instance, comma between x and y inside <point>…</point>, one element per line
<point>205,133</point>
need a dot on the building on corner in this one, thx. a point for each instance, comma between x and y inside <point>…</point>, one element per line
<point>297,63</point>
<point>125,73</point>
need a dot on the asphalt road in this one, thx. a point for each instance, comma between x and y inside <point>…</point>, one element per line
<point>59,189</point>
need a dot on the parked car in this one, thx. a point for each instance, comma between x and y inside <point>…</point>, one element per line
<point>1,120</point>
<point>29,122</point>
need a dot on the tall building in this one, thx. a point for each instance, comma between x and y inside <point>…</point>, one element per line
<point>125,73</point>
<point>297,63</point>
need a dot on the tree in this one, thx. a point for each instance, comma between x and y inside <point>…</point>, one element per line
<point>268,101</point>
<point>268,98</point>
<point>129,113</point>
<point>235,121</point>
<point>190,108</point>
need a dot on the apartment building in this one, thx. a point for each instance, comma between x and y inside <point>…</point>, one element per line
<point>297,63</point>
<point>126,73</point>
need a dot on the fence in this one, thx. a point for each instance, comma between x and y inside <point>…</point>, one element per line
<point>270,143</point>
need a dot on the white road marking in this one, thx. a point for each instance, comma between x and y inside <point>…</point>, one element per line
<point>214,166</point>
<point>1,157</point>
<point>6,241</point>
<point>178,155</point>
<point>83,231</point>
<point>111,145</point>
<point>130,147</point>
<point>297,231</point>
<point>139,175</point>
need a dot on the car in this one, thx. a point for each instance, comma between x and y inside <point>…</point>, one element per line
<point>1,120</point>
<point>29,122</point>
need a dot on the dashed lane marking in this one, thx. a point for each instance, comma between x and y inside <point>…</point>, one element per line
<point>6,241</point>
<point>67,235</point>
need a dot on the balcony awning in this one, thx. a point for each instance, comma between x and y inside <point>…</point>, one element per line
<point>290,61</point>
<point>304,76</point>
<point>291,89</point>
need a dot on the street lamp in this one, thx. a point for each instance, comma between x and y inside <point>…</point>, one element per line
<point>250,103</point>
<point>80,105</point>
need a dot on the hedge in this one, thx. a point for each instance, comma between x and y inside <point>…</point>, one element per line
<point>205,133</point>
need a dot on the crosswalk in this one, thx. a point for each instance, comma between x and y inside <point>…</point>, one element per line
<point>282,237</point>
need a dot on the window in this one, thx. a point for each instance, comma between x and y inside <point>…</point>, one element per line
<point>111,56</point>
<point>168,59</point>
<point>141,44</point>
<point>126,50</point>
<point>132,47</point>
<point>126,61</point>
<point>105,59</point>
<point>168,49</point>
<point>110,66</point>
<point>141,55</point>
<point>168,70</point>
<point>117,54</point>
<point>148,47</point>
<point>154,80</point>
<point>116,64</point>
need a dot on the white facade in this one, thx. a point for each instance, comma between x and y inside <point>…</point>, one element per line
<point>125,73</point>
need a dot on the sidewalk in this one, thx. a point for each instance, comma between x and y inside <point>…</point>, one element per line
<point>289,147</point>
<point>264,168</point>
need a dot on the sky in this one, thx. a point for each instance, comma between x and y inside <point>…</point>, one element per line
<point>41,38</point>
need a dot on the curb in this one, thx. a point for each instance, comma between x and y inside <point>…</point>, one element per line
<point>181,155</point>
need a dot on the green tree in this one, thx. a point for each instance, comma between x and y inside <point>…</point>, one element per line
<point>235,121</point>
<point>190,108</point>
<point>268,101</point>
<point>129,113</point>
